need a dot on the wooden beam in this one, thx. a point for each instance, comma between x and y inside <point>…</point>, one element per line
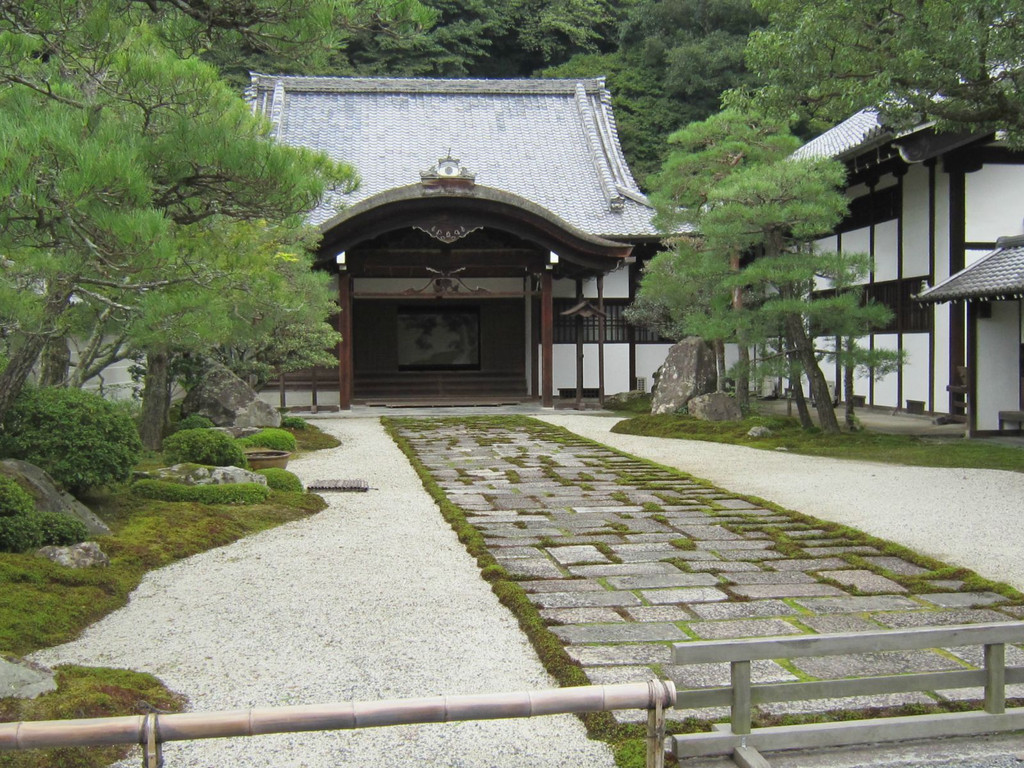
<point>346,374</point>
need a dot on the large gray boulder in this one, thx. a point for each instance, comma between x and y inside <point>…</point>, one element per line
<point>716,406</point>
<point>48,497</point>
<point>689,370</point>
<point>228,401</point>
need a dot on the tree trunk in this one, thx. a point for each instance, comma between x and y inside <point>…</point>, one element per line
<point>55,363</point>
<point>26,353</point>
<point>803,349</point>
<point>743,377</point>
<point>851,421</point>
<point>720,364</point>
<point>156,400</point>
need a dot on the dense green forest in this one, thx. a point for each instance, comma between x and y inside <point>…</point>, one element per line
<point>667,62</point>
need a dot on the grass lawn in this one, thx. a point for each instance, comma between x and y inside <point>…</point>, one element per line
<point>44,604</point>
<point>787,434</point>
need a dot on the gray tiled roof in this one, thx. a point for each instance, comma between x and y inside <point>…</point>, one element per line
<point>997,275</point>
<point>553,142</point>
<point>850,135</point>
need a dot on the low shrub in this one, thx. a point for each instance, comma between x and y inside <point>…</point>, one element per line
<point>235,493</point>
<point>60,530</point>
<point>203,446</point>
<point>14,500</point>
<point>293,422</point>
<point>195,421</point>
<point>19,533</point>
<point>80,439</point>
<point>274,439</point>
<point>281,480</point>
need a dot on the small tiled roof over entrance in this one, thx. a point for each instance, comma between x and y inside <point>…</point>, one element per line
<point>552,142</point>
<point>997,275</point>
<point>850,136</point>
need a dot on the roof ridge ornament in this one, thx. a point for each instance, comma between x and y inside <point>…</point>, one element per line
<point>448,169</point>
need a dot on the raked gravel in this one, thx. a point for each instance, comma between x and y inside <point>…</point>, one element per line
<point>374,598</point>
<point>966,517</point>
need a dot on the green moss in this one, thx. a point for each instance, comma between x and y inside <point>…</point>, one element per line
<point>235,493</point>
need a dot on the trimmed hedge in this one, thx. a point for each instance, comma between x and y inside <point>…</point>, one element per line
<point>78,438</point>
<point>281,480</point>
<point>235,493</point>
<point>203,446</point>
<point>195,421</point>
<point>293,422</point>
<point>14,500</point>
<point>274,439</point>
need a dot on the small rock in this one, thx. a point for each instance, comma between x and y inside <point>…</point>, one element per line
<point>23,679</point>
<point>689,370</point>
<point>197,474</point>
<point>759,432</point>
<point>85,555</point>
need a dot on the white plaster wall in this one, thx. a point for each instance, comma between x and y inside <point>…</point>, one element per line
<point>915,221</point>
<point>114,382</point>
<point>998,375</point>
<point>886,250</point>
<point>616,285</point>
<point>649,358</point>
<point>616,367</point>
<point>971,256</point>
<point>887,388</point>
<point>857,240</point>
<point>303,398</point>
<point>825,245</point>
<point>992,205</point>
<point>563,289</point>
<point>915,371</point>
<point>940,397</point>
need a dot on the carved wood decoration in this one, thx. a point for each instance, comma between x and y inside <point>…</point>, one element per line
<point>446,284</point>
<point>446,231</point>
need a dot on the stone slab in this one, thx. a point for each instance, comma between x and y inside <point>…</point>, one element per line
<point>590,615</point>
<point>658,613</point>
<point>771,577</point>
<point>580,553</point>
<point>827,625</point>
<point>624,569</point>
<point>897,565</point>
<point>583,599</point>
<point>716,675</point>
<point>864,581</point>
<point>962,599</point>
<point>658,581</point>
<point>630,632</point>
<point>939,618</point>
<point>874,663</point>
<point>750,610</point>
<point>626,653</point>
<point>762,591</point>
<point>810,564</point>
<point>565,585</point>
<point>683,595</point>
<point>723,630</point>
<point>723,566</point>
<point>535,568</point>
<point>851,604</point>
<point>24,679</point>
<point>619,675</point>
<point>846,703</point>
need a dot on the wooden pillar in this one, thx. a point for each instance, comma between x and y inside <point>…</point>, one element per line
<point>547,321</point>
<point>345,362</point>
<point>601,322</point>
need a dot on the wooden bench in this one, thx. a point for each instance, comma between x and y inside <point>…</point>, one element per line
<point>1014,417</point>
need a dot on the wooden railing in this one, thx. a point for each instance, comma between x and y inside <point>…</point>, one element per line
<point>150,731</point>
<point>741,695</point>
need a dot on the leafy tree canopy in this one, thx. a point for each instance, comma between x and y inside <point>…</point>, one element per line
<point>957,63</point>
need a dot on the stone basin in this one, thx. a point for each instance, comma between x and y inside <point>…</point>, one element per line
<point>266,459</point>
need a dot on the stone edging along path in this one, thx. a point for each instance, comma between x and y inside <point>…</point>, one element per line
<point>622,557</point>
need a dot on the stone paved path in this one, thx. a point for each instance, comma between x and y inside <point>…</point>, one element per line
<point>623,558</point>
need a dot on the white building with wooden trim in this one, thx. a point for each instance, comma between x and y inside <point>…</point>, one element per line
<point>932,210</point>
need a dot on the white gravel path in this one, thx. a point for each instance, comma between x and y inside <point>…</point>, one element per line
<point>371,599</point>
<point>968,517</point>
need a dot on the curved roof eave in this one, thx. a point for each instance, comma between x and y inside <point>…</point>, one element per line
<point>490,204</point>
